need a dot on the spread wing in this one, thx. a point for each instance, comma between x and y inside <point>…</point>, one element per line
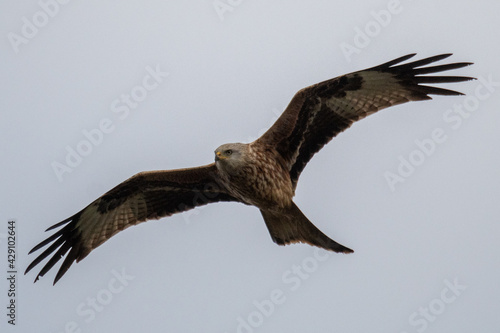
<point>145,196</point>
<point>318,113</point>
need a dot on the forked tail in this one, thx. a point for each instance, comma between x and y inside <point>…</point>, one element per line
<point>292,226</point>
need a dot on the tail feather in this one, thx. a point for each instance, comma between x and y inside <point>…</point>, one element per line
<point>292,226</point>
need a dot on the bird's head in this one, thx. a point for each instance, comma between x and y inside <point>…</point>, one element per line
<point>231,157</point>
<point>229,152</point>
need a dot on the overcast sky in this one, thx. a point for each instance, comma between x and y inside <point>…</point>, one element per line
<point>93,92</point>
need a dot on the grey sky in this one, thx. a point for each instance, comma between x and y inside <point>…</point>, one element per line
<point>203,73</point>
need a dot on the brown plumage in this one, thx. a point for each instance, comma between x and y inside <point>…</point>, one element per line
<point>263,173</point>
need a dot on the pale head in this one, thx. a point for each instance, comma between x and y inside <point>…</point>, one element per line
<point>231,155</point>
<point>230,151</point>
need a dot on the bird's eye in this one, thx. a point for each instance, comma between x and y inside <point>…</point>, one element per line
<point>229,152</point>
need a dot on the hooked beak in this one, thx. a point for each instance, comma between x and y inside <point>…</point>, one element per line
<point>218,156</point>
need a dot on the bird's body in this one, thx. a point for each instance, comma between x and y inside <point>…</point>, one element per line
<point>262,181</point>
<point>263,173</point>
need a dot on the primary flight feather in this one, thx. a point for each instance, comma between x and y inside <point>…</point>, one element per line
<point>263,173</point>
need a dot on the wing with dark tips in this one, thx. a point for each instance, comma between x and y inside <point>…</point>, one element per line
<point>318,113</point>
<point>145,196</point>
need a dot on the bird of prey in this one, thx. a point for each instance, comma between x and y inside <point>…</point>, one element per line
<point>263,173</point>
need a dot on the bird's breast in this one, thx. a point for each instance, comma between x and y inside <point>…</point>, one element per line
<point>262,181</point>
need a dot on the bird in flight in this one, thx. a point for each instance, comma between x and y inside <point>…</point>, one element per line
<point>263,173</point>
